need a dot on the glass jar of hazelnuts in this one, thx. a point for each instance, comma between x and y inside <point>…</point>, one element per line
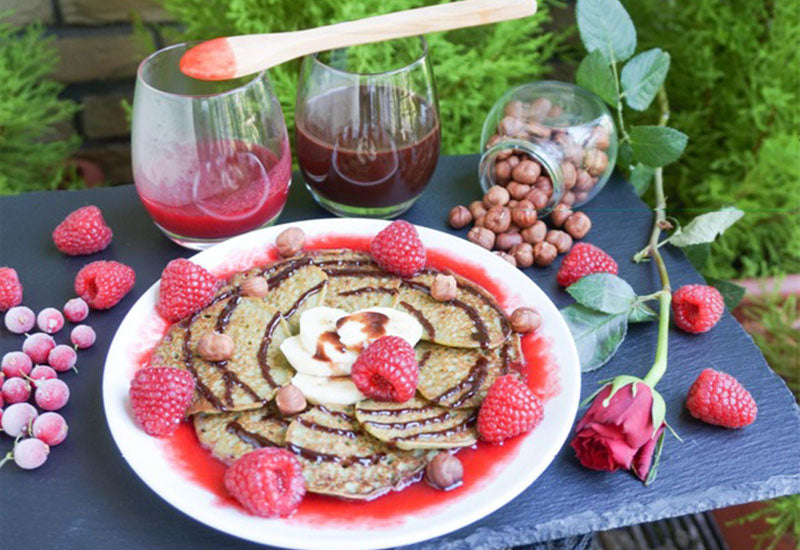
<point>548,142</point>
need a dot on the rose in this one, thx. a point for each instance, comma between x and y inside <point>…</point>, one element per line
<point>618,432</point>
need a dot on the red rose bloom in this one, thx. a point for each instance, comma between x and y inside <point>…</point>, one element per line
<point>619,435</point>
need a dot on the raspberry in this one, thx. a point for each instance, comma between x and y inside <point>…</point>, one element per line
<point>62,358</point>
<point>718,398</point>
<point>17,418</point>
<point>584,259</point>
<point>76,310</point>
<point>398,249</point>
<point>50,320</point>
<point>31,453</point>
<point>82,336</point>
<point>510,409</point>
<point>103,284</point>
<point>51,395</point>
<point>10,289</point>
<point>16,390</point>
<point>160,397</point>
<point>84,231</point>
<point>268,482</point>
<point>387,370</point>
<point>697,308</point>
<point>38,346</point>
<point>185,288</point>
<point>20,319</point>
<point>50,428</point>
<point>16,363</point>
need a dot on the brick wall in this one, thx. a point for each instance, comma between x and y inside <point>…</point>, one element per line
<point>99,53</point>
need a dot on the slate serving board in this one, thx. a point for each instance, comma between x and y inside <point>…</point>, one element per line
<point>86,496</point>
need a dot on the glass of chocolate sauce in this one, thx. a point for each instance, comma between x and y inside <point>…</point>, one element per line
<point>367,127</point>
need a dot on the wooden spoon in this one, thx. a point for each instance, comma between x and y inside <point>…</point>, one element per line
<point>235,56</point>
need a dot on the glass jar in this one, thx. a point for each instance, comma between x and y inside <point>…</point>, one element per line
<point>548,142</point>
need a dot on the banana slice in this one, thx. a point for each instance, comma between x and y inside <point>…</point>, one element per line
<point>308,363</point>
<point>320,389</point>
<point>314,323</point>
<point>363,327</point>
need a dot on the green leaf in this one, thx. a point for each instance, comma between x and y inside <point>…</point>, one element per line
<point>625,155</point>
<point>594,74</point>
<point>642,313</point>
<point>659,410</point>
<point>698,254</point>
<point>657,145</point>
<point>618,383</point>
<point>705,227</point>
<point>642,76</point>
<point>651,475</point>
<point>642,177</point>
<point>597,335</point>
<point>731,292</point>
<point>605,25</point>
<point>603,292</point>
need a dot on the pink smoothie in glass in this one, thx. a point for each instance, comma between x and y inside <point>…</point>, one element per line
<point>215,189</point>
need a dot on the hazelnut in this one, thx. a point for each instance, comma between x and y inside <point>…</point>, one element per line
<point>482,237</point>
<point>511,126</point>
<point>599,138</point>
<point>570,174</point>
<point>479,221</point>
<point>492,141</point>
<point>544,185</point>
<point>290,242</point>
<point>444,472</point>
<point>544,253</point>
<point>523,217</point>
<point>459,217</point>
<point>538,130</point>
<point>518,190</point>
<point>502,172</point>
<point>507,257</point>
<point>525,319</point>
<point>583,181</point>
<point>516,109</point>
<point>572,151</point>
<point>581,197</point>
<point>496,196</point>
<point>504,154</point>
<point>595,161</point>
<point>512,203</point>
<point>538,198</point>
<point>526,172</point>
<point>525,203</point>
<point>443,288</point>
<point>258,287</point>
<point>560,214</point>
<point>578,225</point>
<point>477,209</point>
<point>290,400</point>
<point>504,241</point>
<point>213,346</point>
<point>559,239</point>
<point>555,111</point>
<point>568,198</point>
<point>498,218</point>
<point>523,254</point>
<point>513,161</point>
<point>534,233</point>
<point>540,108</point>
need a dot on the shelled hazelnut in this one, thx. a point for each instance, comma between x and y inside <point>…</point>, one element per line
<point>525,320</point>
<point>477,209</point>
<point>502,172</point>
<point>538,198</point>
<point>526,172</point>
<point>290,400</point>
<point>559,239</point>
<point>570,174</point>
<point>444,472</point>
<point>257,287</point>
<point>523,254</point>
<point>507,257</point>
<point>504,241</point>
<point>444,287</point>
<point>578,225</point>
<point>568,198</point>
<point>214,346</point>
<point>523,217</point>
<point>482,237</point>
<point>459,217</point>
<point>290,242</point>
<point>544,185</point>
<point>517,190</point>
<point>498,219</point>
<point>535,233</point>
<point>595,161</point>
<point>544,253</point>
<point>496,196</point>
<point>560,214</point>
<point>479,221</point>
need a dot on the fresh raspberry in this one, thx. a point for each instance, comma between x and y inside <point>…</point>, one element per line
<point>398,249</point>
<point>20,319</point>
<point>697,308</point>
<point>76,310</point>
<point>62,358</point>
<point>83,336</point>
<point>84,231</point>
<point>718,398</point>
<point>50,320</point>
<point>103,284</point>
<point>38,346</point>
<point>387,370</point>
<point>510,409</point>
<point>10,289</point>
<point>185,288</point>
<point>160,397</point>
<point>584,259</point>
<point>268,482</point>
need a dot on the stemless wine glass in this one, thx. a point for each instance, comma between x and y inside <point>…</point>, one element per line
<point>210,159</point>
<point>368,142</point>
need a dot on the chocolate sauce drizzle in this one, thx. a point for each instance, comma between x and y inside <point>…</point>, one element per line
<point>429,328</point>
<point>328,337</point>
<point>445,432</point>
<point>394,412</point>
<point>365,289</point>
<point>251,438</point>
<point>469,385</point>
<point>285,270</point>
<point>350,434</point>
<point>339,414</point>
<point>263,362</point>
<point>439,418</point>
<point>343,461</point>
<point>303,297</point>
<point>355,272</point>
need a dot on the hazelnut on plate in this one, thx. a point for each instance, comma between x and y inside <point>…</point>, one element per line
<point>290,400</point>
<point>444,472</point>
<point>525,320</point>
<point>213,346</point>
<point>290,242</point>
<point>444,287</point>
<point>257,287</point>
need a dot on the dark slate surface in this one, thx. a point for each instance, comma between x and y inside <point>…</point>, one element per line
<point>86,496</point>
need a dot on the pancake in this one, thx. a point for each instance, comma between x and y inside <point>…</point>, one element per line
<point>228,436</point>
<point>418,424</point>
<point>257,369</point>
<point>355,281</point>
<point>340,459</point>
<point>473,319</point>
<point>460,378</point>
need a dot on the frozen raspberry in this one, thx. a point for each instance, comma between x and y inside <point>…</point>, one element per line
<point>38,346</point>
<point>50,320</point>
<point>718,398</point>
<point>76,310</point>
<point>17,418</point>
<point>16,363</point>
<point>510,409</point>
<point>398,249</point>
<point>185,288</point>
<point>20,319</point>
<point>31,453</point>
<point>103,284</point>
<point>62,358</point>
<point>50,428</point>
<point>697,308</point>
<point>387,370</point>
<point>51,395</point>
<point>268,482</point>
<point>10,289</point>
<point>40,373</point>
<point>584,259</point>
<point>16,390</point>
<point>84,231</point>
<point>160,397</point>
<point>82,336</point>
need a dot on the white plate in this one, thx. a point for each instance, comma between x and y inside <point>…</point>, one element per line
<point>149,457</point>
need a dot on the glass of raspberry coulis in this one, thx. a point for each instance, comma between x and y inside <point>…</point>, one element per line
<point>210,159</point>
